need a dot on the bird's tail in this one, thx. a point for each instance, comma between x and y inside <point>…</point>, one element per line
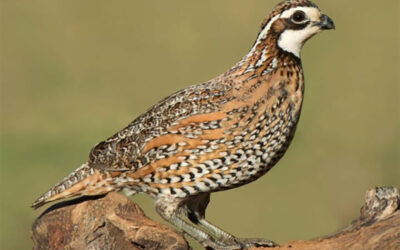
<point>83,181</point>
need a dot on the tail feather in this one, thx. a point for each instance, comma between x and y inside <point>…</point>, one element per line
<point>83,181</point>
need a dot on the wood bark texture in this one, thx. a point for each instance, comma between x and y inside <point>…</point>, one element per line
<point>109,222</point>
<point>115,222</point>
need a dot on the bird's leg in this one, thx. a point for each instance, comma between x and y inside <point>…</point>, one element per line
<point>196,213</point>
<point>228,238</point>
<point>170,212</point>
<point>218,232</point>
<point>196,207</point>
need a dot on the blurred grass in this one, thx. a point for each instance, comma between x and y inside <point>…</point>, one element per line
<point>74,72</point>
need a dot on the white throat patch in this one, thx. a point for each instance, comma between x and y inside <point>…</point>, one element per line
<point>293,40</point>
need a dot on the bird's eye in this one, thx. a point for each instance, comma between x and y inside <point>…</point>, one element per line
<point>298,16</point>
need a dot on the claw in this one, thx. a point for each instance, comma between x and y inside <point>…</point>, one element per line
<point>256,242</point>
<point>240,244</point>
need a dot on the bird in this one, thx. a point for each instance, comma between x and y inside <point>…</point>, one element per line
<point>209,137</point>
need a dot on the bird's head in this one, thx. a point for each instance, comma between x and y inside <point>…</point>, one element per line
<point>292,23</point>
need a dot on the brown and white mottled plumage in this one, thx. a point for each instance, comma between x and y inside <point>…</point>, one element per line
<point>214,136</point>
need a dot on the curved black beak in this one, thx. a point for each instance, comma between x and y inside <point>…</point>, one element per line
<point>326,23</point>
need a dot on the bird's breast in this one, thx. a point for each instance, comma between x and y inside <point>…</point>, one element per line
<point>223,149</point>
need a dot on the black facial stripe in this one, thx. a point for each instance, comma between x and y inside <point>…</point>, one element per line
<point>295,26</point>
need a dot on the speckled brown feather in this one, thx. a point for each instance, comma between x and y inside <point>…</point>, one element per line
<point>208,137</point>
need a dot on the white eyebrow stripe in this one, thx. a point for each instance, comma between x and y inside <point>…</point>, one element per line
<point>311,12</point>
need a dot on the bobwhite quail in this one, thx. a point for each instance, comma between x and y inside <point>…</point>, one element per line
<point>209,137</point>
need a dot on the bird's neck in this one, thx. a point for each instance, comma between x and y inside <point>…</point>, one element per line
<point>266,57</point>
<point>267,67</point>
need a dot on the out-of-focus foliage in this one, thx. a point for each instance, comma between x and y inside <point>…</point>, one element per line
<point>74,72</point>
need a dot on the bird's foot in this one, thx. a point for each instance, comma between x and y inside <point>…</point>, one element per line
<point>240,244</point>
<point>255,242</point>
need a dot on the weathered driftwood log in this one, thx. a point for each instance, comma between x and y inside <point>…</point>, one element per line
<point>115,222</point>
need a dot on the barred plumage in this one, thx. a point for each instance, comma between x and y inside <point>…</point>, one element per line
<point>209,137</point>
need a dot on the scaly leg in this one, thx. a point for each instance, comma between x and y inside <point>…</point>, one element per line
<point>169,211</point>
<point>196,213</point>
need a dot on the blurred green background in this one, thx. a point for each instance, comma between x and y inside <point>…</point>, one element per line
<point>74,72</point>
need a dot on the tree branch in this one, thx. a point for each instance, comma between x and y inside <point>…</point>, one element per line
<point>378,226</point>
